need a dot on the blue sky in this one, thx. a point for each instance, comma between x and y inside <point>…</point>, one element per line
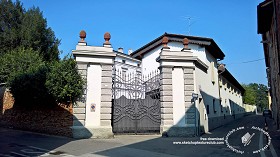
<point>232,24</point>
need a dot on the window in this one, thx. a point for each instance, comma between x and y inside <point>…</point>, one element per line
<point>220,82</point>
<point>207,109</point>
<point>214,108</point>
<point>221,105</point>
<point>138,73</point>
<point>124,74</point>
<point>213,72</point>
<point>124,71</point>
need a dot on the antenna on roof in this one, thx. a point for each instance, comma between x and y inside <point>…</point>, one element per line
<point>189,18</point>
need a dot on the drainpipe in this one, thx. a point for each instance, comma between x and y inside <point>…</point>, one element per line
<point>221,68</point>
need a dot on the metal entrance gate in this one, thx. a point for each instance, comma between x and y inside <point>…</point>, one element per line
<point>136,103</point>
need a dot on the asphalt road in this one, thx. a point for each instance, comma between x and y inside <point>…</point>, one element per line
<point>221,142</point>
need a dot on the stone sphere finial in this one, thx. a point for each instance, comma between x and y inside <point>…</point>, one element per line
<point>107,37</point>
<point>164,41</point>
<point>83,35</point>
<point>185,42</point>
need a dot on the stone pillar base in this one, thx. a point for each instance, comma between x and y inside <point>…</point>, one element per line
<point>80,132</point>
<point>177,131</point>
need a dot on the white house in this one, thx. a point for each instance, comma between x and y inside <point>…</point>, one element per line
<point>126,64</point>
<point>190,95</point>
<point>220,94</point>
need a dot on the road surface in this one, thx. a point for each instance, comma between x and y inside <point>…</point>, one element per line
<point>243,137</point>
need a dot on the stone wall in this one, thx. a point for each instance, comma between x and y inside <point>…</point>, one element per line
<point>106,95</point>
<point>54,121</point>
<point>79,108</point>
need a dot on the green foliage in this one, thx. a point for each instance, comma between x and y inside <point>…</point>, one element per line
<point>29,89</point>
<point>34,82</point>
<point>11,15</point>
<point>64,82</point>
<point>256,94</point>
<point>37,35</point>
<point>28,29</point>
<point>29,59</point>
<point>250,94</point>
<point>24,71</point>
<point>17,62</point>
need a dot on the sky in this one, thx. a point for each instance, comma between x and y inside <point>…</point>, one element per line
<point>132,24</point>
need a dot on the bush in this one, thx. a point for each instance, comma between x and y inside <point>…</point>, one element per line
<point>24,72</point>
<point>29,88</point>
<point>64,82</point>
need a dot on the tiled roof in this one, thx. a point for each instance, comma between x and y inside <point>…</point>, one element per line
<point>209,43</point>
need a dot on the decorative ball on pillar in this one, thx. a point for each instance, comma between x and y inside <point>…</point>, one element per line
<point>221,68</point>
<point>107,37</point>
<point>164,42</point>
<point>83,35</point>
<point>186,43</point>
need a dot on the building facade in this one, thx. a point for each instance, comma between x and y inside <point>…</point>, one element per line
<point>186,95</point>
<point>126,64</point>
<point>220,94</point>
<point>268,27</point>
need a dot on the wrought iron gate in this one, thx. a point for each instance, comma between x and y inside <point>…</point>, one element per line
<point>136,103</point>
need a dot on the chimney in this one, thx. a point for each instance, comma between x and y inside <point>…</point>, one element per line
<point>130,51</point>
<point>120,50</point>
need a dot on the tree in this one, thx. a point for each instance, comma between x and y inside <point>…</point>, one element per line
<point>64,82</point>
<point>35,83</point>
<point>37,35</point>
<point>261,96</point>
<point>255,94</point>
<point>28,29</point>
<point>250,94</point>
<point>17,62</point>
<point>29,62</point>
<point>11,16</point>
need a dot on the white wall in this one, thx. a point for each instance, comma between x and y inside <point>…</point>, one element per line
<point>231,98</point>
<point>205,86</point>
<point>93,95</point>
<point>127,61</point>
<point>197,50</point>
<point>149,63</point>
<point>178,97</point>
<point>130,66</point>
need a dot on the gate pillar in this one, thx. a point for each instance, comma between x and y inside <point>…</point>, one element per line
<point>178,111</point>
<point>92,118</point>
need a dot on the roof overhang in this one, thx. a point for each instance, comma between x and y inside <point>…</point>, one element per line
<point>227,75</point>
<point>265,14</point>
<point>209,44</point>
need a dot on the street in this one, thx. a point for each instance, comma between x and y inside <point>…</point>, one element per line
<point>243,137</point>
